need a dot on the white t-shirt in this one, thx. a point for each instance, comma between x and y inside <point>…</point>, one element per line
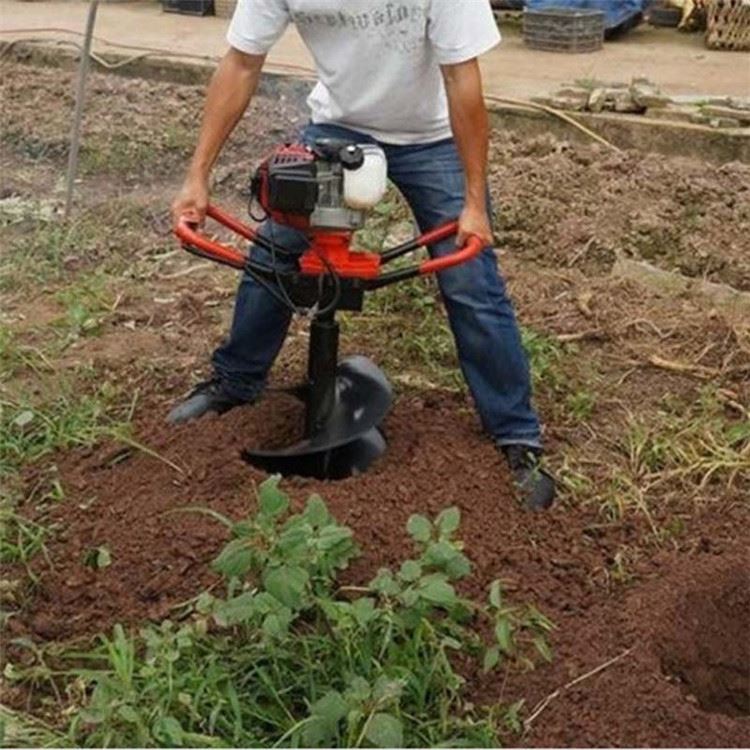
<point>378,61</point>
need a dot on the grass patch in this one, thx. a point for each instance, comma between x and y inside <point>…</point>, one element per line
<point>21,730</point>
<point>165,148</point>
<point>292,658</point>
<point>686,450</point>
<point>86,302</point>
<point>41,251</point>
<point>412,330</point>
<point>34,148</point>
<point>545,355</point>
<point>692,444</point>
<point>580,404</point>
<point>30,432</point>
<point>15,356</point>
<point>116,156</point>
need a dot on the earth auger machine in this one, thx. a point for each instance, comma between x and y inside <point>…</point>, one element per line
<point>324,191</point>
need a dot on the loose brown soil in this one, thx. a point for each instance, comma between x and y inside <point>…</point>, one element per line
<point>652,571</point>
<point>682,629</point>
<point>585,209</point>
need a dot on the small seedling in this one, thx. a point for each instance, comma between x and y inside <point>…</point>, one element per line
<point>99,557</point>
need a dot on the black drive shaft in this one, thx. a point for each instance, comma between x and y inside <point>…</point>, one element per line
<point>321,372</point>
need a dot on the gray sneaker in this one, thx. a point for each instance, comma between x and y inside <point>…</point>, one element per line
<point>206,397</point>
<point>535,486</point>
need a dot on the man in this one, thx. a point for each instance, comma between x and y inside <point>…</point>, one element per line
<point>403,74</point>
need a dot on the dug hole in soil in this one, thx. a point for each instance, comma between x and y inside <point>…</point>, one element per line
<point>682,632</point>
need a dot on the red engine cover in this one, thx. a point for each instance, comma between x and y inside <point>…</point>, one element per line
<point>286,155</point>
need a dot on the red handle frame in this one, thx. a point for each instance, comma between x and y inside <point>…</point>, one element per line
<point>470,250</point>
<point>187,232</point>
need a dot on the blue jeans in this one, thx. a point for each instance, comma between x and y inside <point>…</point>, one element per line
<point>481,316</point>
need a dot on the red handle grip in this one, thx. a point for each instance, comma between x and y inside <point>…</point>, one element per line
<point>226,254</point>
<point>471,249</point>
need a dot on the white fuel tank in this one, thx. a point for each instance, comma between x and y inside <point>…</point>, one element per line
<point>365,187</point>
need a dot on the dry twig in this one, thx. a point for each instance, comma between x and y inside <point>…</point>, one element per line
<point>542,705</point>
<point>596,333</point>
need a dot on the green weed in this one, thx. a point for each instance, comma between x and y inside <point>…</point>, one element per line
<point>21,538</point>
<point>34,147</point>
<point>87,303</point>
<point>580,404</point>
<point>289,657</point>
<point>116,155</point>
<point>15,356</point>
<point>21,730</point>
<point>103,154</point>
<point>29,432</point>
<point>41,251</point>
<point>691,449</point>
<point>545,355</point>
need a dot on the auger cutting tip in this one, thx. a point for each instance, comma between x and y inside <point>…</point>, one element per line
<point>348,441</point>
<point>350,459</point>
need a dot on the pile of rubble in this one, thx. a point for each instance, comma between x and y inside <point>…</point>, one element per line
<point>641,97</point>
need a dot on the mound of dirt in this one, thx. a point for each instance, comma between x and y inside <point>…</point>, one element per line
<point>142,508</point>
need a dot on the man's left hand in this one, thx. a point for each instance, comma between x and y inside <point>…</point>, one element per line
<point>474,221</point>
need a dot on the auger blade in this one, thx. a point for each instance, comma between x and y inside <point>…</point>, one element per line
<point>346,460</point>
<point>348,441</point>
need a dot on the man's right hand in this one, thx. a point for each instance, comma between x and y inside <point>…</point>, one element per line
<point>191,202</point>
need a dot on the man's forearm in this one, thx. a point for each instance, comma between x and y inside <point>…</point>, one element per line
<point>470,126</point>
<point>228,96</point>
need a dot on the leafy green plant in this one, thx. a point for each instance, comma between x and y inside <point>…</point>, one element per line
<point>290,657</point>
<point>545,358</point>
<point>86,304</point>
<point>98,557</point>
